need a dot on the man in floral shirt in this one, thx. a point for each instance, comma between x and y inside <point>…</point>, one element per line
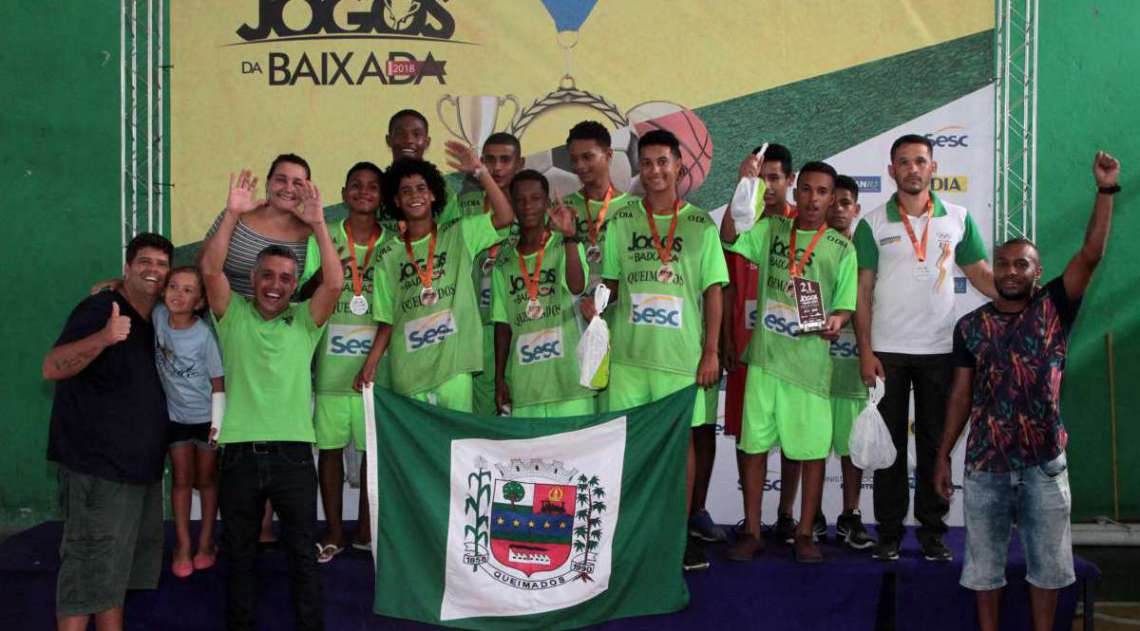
<point>1009,360</point>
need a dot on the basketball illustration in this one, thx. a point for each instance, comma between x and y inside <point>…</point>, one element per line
<point>690,130</point>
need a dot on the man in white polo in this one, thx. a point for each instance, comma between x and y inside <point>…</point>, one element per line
<point>908,249</point>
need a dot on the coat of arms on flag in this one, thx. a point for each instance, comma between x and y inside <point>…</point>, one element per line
<point>545,517</point>
<point>529,523</point>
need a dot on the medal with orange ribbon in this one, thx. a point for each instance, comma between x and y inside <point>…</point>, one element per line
<point>665,273</point>
<point>796,266</point>
<point>533,306</point>
<point>594,226</point>
<point>921,267</point>
<point>359,304</point>
<point>428,295</point>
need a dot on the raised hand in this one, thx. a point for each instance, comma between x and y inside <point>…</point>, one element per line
<point>118,327</point>
<point>562,218</point>
<point>462,157</point>
<point>241,198</point>
<point>310,209</point>
<point>1106,169</point>
<point>750,166</point>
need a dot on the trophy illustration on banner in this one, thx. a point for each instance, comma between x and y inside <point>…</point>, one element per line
<point>696,143</point>
<point>475,116</point>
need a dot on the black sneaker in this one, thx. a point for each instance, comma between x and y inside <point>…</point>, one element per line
<point>819,527</point>
<point>849,529</point>
<point>886,550</point>
<point>695,558</point>
<point>934,550</point>
<point>785,528</point>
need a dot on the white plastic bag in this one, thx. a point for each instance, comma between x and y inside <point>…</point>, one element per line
<point>594,348</point>
<point>870,443</point>
<point>748,200</point>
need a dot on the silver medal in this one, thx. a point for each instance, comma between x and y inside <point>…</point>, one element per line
<point>358,305</point>
<point>533,309</point>
<point>593,254</point>
<point>665,273</point>
<point>429,296</point>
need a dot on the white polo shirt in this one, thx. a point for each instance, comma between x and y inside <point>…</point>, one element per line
<point>913,311</point>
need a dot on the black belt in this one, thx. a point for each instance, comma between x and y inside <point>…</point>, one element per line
<point>267,447</point>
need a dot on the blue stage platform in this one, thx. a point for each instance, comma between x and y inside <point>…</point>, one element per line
<point>849,591</point>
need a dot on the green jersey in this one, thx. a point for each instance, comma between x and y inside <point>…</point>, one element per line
<point>452,209</point>
<point>660,325</point>
<point>348,337</point>
<point>542,366</point>
<point>432,343</point>
<point>475,203</point>
<point>846,378</point>
<point>802,360</point>
<point>595,248</point>
<point>268,384</point>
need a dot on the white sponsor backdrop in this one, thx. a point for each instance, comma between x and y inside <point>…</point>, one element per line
<point>964,134</point>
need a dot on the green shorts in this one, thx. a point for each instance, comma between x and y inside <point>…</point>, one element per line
<point>574,407</point>
<point>338,417</point>
<point>631,386</point>
<point>112,541</point>
<point>779,413</point>
<point>483,397</point>
<point>453,394</point>
<point>844,410</point>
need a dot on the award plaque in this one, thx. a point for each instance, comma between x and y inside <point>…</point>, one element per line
<point>809,305</point>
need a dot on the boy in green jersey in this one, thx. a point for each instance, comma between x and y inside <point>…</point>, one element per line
<point>422,296</point>
<point>267,347</point>
<point>590,156</point>
<point>502,157</point>
<point>787,395</point>
<point>664,263</point>
<point>536,331</point>
<point>848,394</point>
<point>408,138</point>
<point>338,414</point>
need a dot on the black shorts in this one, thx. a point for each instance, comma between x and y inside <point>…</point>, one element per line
<point>197,434</point>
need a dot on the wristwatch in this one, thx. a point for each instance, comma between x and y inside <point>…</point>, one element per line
<point>1108,190</point>
<point>478,172</point>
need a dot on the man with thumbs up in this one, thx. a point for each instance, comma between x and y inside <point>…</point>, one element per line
<point>108,436</point>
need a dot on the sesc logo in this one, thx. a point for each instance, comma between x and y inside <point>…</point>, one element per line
<point>845,346</point>
<point>540,346</point>
<point>352,340</point>
<point>950,136</point>
<point>428,330</point>
<point>656,310</point>
<point>751,310</point>
<point>781,319</point>
<point>949,183</point>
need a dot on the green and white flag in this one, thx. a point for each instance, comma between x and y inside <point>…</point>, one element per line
<point>494,522</point>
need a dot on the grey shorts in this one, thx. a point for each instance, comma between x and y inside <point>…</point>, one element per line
<point>112,541</point>
<point>1037,500</point>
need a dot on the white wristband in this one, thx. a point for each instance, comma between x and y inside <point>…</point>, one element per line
<point>217,411</point>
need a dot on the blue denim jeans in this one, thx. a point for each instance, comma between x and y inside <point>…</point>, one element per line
<point>284,474</point>
<point>1038,502</point>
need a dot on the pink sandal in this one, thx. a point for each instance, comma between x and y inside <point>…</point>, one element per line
<point>204,561</point>
<point>182,569</point>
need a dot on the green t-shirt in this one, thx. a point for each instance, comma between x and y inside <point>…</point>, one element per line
<point>846,379</point>
<point>577,201</point>
<point>542,366</point>
<point>471,203</point>
<point>348,337</point>
<point>802,360</point>
<point>268,385</point>
<point>452,208</point>
<point>431,344</point>
<point>660,325</point>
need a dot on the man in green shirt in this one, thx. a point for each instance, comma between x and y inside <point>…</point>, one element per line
<point>536,330</point>
<point>338,411</point>
<point>591,154</point>
<point>665,265</point>
<point>848,394</point>
<point>502,157</point>
<point>787,395</point>
<point>422,295</point>
<point>267,345</point>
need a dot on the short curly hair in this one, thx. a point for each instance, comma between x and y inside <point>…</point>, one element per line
<point>407,167</point>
